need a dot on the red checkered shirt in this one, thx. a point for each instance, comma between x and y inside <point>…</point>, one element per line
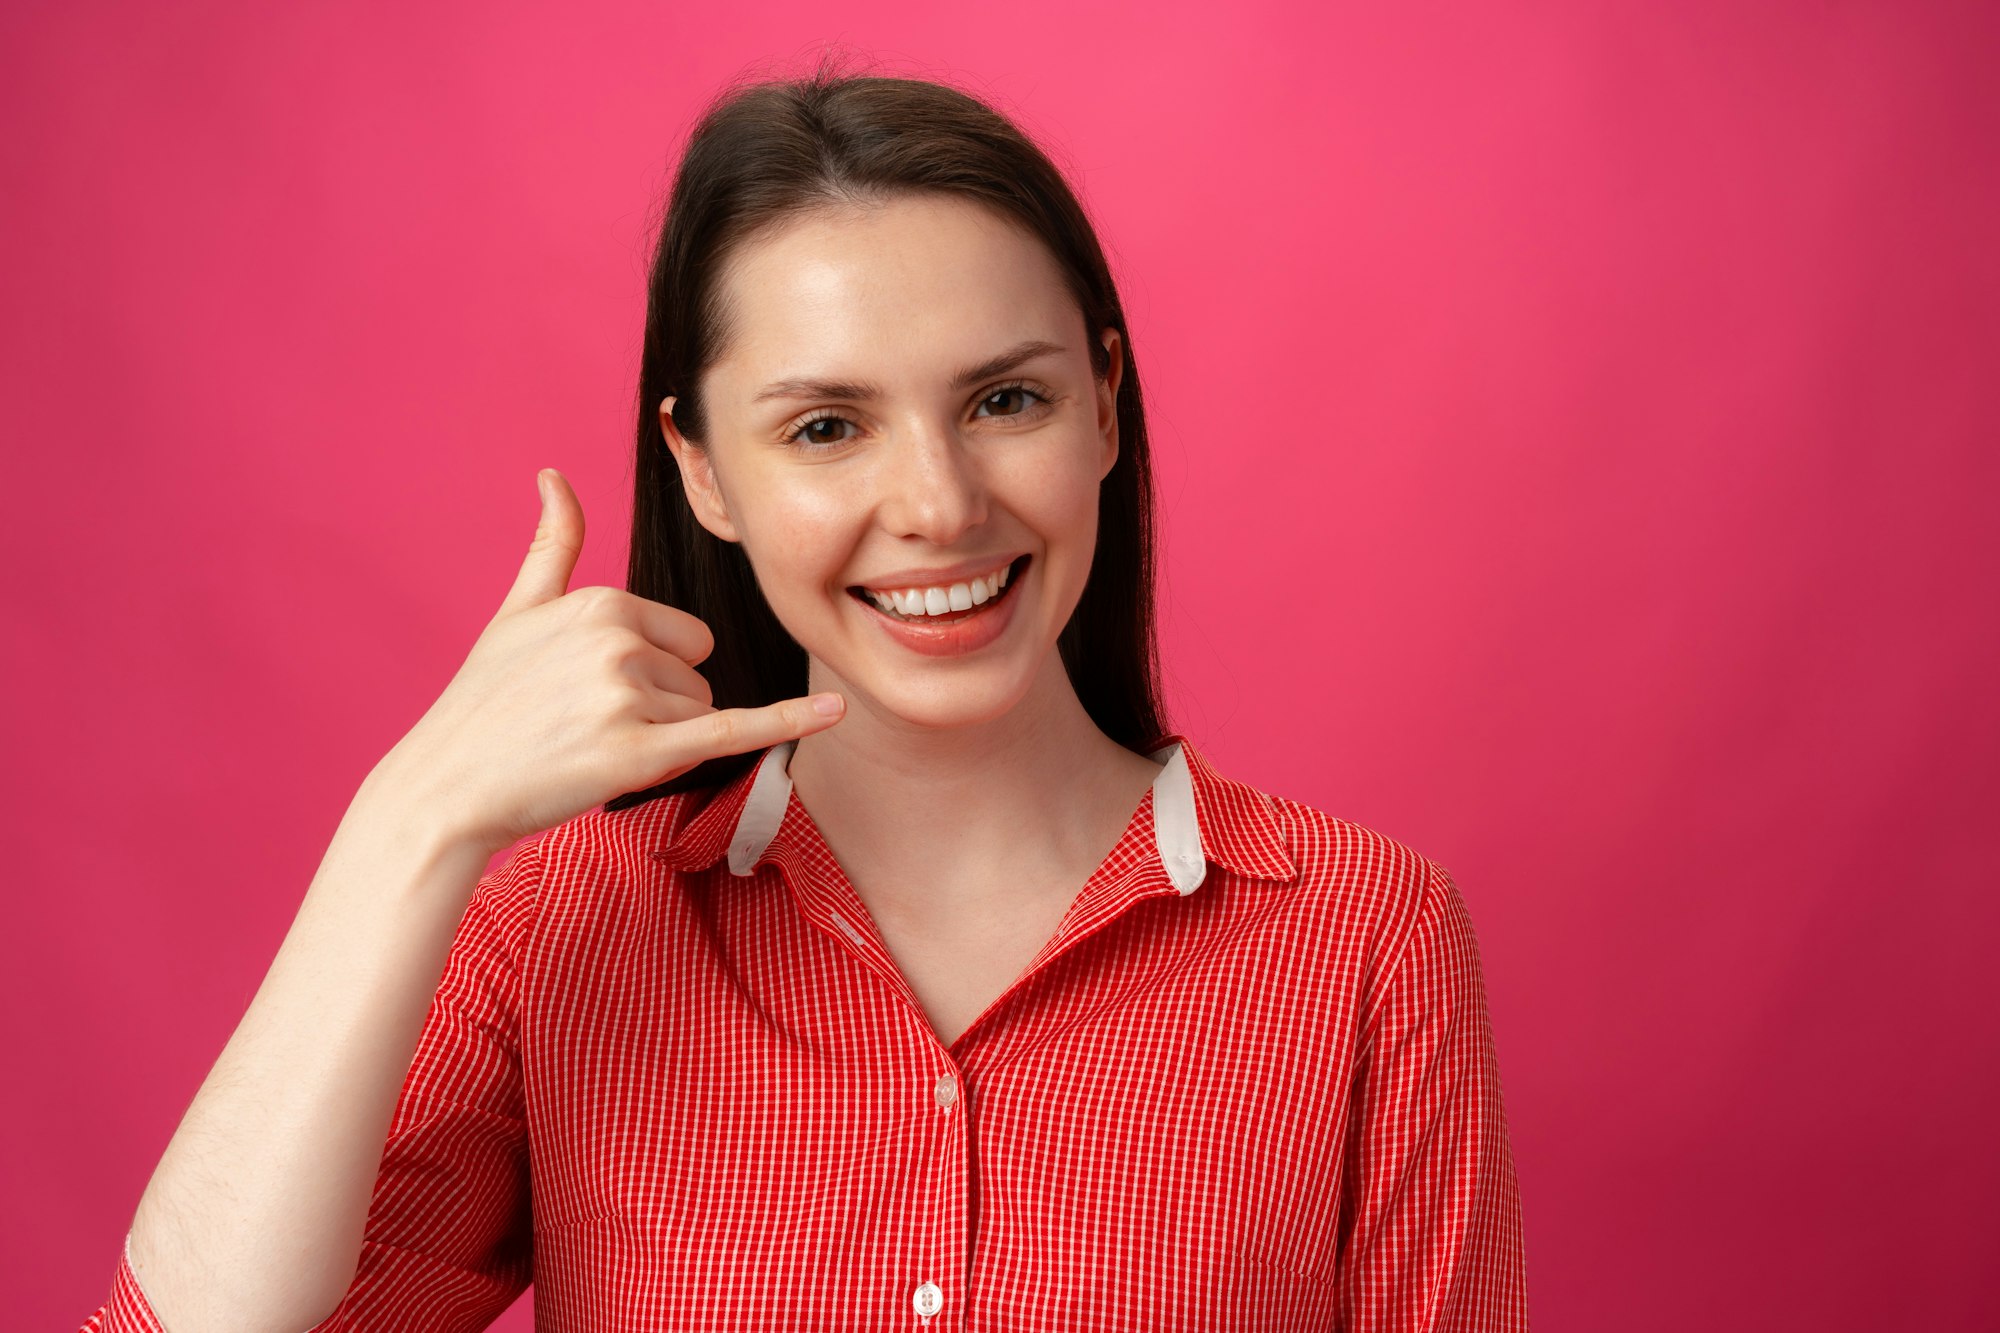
<point>674,1077</point>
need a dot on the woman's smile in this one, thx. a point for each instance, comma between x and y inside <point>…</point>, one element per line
<point>950,632</point>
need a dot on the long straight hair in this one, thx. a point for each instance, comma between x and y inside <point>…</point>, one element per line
<point>766,152</point>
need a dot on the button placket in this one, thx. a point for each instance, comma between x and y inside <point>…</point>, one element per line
<point>944,1253</point>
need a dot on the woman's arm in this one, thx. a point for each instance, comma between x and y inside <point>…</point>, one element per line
<point>254,1216</point>
<point>276,1199</point>
<point>1431,1220</point>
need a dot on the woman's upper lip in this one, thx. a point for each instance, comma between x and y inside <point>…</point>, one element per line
<point>940,577</point>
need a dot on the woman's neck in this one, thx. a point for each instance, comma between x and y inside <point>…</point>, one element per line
<point>931,823</point>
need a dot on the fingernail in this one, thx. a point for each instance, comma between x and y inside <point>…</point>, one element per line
<point>827,704</point>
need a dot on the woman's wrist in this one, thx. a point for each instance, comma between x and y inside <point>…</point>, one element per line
<point>398,809</point>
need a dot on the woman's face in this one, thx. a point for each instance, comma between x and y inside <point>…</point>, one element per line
<point>907,402</point>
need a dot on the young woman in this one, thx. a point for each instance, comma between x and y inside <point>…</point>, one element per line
<point>982,1000</point>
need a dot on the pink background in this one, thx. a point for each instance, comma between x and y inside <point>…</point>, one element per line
<point>1576,426</point>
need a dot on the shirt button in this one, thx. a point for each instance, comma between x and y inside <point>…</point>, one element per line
<point>946,1091</point>
<point>928,1299</point>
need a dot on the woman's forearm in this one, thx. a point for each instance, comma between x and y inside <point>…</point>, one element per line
<point>254,1216</point>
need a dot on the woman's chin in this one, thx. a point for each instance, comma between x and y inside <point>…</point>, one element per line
<point>947,710</point>
<point>965,699</point>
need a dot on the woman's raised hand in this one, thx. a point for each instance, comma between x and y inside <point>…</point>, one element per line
<point>570,698</point>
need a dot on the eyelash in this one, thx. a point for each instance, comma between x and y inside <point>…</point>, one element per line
<point>798,428</point>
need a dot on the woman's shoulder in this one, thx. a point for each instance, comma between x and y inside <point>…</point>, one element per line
<point>630,835</point>
<point>598,848</point>
<point>1328,867</point>
<point>1354,870</point>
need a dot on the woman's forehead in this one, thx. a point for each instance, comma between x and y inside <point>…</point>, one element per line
<point>924,287</point>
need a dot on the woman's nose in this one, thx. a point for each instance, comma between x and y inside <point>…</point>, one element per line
<point>932,485</point>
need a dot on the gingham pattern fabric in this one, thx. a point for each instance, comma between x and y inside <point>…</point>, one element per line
<point>673,1075</point>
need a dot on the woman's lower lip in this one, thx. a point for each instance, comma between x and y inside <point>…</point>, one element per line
<point>952,638</point>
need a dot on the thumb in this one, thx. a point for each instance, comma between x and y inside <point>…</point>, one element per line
<point>545,574</point>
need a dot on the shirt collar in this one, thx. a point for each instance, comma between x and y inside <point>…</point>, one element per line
<point>1198,816</point>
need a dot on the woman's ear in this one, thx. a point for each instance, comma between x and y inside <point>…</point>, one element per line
<point>1107,402</point>
<point>698,479</point>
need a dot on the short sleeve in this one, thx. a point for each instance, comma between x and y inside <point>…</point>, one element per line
<point>1430,1216</point>
<point>448,1241</point>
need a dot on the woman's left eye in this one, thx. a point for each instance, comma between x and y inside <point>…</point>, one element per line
<point>1008,390</point>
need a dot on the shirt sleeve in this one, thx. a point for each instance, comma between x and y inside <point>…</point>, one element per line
<point>1431,1215</point>
<point>448,1241</point>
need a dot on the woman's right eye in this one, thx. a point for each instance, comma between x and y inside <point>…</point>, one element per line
<point>796,436</point>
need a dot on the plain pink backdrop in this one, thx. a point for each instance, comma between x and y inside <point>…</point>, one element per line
<point>1576,433</point>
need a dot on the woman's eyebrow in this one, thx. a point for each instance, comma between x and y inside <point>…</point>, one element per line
<point>861,390</point>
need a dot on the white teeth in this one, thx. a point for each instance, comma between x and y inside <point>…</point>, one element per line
<point>938,601</point>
